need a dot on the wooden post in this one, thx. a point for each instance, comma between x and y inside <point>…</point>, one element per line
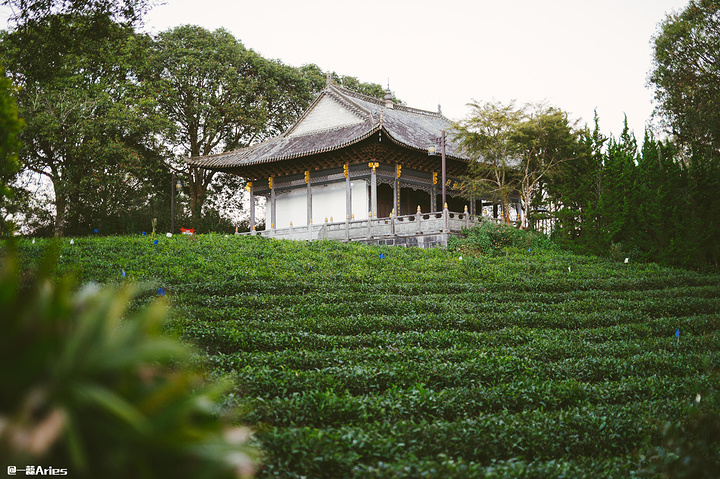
<point>373,189</point>
<point>251,190</point>
<point>433,193</point>
<point>396,189</point>
<point>172,205</point>
<point>273,211</point>
<point>309,198</point>
<point>348,192</point>
<point>444,179</point>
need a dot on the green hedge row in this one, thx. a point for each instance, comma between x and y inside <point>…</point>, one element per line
<point>587,432</point>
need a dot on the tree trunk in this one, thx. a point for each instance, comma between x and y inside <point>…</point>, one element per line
<point>60,210</point>
<point>199,181</point>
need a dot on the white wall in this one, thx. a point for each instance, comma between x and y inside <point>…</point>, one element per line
<point>327,201</point>
<point>291,206</point>
<point>360,199</point>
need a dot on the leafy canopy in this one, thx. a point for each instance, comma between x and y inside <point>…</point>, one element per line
<point>686,73</point>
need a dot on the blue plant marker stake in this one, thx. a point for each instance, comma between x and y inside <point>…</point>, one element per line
<point>161,291</point>
<point>677,333</point>
<point>123,273</point>
<point>155,242</point>
<point>382,255</point>
<point>96,230</point>
<point>143,233</point>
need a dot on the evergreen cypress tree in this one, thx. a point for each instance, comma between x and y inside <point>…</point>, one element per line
<point>618,197</point>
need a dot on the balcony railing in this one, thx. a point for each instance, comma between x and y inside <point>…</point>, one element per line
<point>441,222</point>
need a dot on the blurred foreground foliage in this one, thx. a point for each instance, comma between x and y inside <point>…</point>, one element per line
<point>101,393</point>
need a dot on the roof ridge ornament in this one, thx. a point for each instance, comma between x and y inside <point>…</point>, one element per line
<point>389,97</point>
<point>328,79</point>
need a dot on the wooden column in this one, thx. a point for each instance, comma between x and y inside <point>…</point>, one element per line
<point>396,190</point>
<point>348,192</point>
<point>273,203</point>
<point>373,189</point>
<point>251,190</point>
<point>444,179</point>
<point>309,198</point>
<point>433,193</point>
<point>396,196</point>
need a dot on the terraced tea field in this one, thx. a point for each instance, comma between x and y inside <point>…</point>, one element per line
<point>429,364</point>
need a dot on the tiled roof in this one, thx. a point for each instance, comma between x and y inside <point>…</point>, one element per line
<point>409,127</point>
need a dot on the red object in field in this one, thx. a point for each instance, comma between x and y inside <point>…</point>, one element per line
<point>187,231</point>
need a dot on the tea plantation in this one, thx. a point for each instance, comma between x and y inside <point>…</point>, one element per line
<point>426,363</point>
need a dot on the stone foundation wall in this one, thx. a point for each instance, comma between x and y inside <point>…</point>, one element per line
<point>420,241</point>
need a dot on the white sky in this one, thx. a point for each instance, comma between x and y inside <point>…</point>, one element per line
<point>577,55</point>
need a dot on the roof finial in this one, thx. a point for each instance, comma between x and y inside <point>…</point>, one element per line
<point>388,96</point>
<point>439,109</point>
<point>328,79</point>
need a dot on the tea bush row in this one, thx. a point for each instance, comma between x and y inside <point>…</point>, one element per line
<point>419,402</point>
<point>481,372</point>
<point>585,432</point>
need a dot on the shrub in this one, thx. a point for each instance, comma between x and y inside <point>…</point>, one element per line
<point>494,239</point>
<point>689,448</point>
<point>87,390</point>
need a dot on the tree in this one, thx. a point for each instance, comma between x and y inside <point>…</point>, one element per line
<point>544,140</point>
<point>661,185</point>
<point>686,76</point>
<point>487,136</point>
<point>89,124</point>
<point>217,96</point>
<point>618,200</point>
<point>317,80</point>
<point>10,126</point>
<point>575,190</point>
<point>514,150</point>
<point>121,11</point>
<point>686,73</point>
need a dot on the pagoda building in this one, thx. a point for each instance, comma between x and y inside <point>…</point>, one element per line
<point>351,157</point>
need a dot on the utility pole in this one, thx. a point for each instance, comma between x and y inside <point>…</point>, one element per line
<point>442,152</point>
<point>172,204</point>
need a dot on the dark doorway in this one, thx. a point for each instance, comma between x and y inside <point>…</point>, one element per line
<point>410,200</point>
<point>457,203</point>
<point>385,200</point>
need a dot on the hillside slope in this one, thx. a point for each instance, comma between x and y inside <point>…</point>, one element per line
<point>423,362</point>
